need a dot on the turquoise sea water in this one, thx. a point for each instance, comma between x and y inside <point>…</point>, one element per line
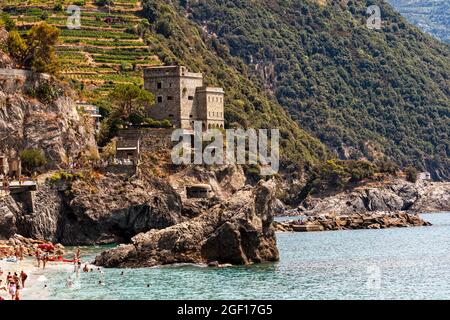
<point>406,263</point>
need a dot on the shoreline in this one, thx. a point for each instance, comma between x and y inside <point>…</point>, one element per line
<point>37,277</point>
<point>28,265</point>
<point>57,273</point>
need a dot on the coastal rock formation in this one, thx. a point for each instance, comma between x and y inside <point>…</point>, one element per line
<point>237,231</point>
<point>224,180</point>
<point>377,220</point>
<point>27,247</point>
<point>118,209</point>
<point>55,128</point>
<point>104,210</point>
<point>397,195</point>
<point>89,208</point>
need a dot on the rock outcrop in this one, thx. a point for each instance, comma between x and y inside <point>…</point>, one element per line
<point>238,231</point>
<point>106,210</point>
<point>224,180</point>
<point>53,126</point>
<point>376,220</point>
<point>18,245</point>
<point>397,195</point>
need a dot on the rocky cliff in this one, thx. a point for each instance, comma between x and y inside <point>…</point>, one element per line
<point>107,210</point>
<point>55,127</point>
<point>396,195</point>
<point>237,231</point>
<point>38,112</point>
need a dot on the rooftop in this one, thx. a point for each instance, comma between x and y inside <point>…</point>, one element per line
<point>170,71</point>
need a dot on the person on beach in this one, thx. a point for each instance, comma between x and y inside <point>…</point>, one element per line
<point>12,290</point>
<point>21,252</point>
<point>69,283</point>
<point>44,260</point>
<point>9,278</point>
<point>38,257</point>
<point>78,255</point>
<point>2,287</point>
<point>23,277</point>
<point>16,278</point>
<point>85,268</point>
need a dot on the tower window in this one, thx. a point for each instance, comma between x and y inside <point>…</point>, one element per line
<point>160,99</point>
<point>159,85</point>
<point>169,98</point>
<point>190,98</point>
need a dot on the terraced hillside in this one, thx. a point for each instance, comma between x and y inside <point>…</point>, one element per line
<point>104,51</point>
<point>115,42</point>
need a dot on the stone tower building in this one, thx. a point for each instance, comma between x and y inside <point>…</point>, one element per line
<point>182,98</point>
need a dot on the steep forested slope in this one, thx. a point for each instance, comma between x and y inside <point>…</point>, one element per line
<point>176,40</point>
<point>363,92</point>
<point>115,42</point>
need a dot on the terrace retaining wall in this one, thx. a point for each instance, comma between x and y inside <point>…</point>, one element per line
<point>12,80</point>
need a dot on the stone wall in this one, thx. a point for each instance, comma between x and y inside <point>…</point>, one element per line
<point>154,139</point>
<point>174,89</point>
<point>12,80</point>
<point>181,97</point>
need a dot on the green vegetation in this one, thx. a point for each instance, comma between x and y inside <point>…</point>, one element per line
<point>411,174</point>
<point>363,92</point>
<point>46,92</point>
<point>334,175</point>
<point>7,22</point>
<point>125,105</point>
<point>382,95</point>
<point>246,104</point>
<point>107,41</point>
<point>66,176</point>
<point>128,100</point>
<point>32,159</point>
<point>112,48</point>
<point>37,50</point>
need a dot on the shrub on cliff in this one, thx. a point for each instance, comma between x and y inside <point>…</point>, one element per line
<point>336,174</point>
<point>7,22</point>
<point>16,46</point>
<point>45,92</point>
<point>128,99</point>
<point>125,104</point>
<point>37,50</point>
<point>411,174</point>
<point>32,159</point>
